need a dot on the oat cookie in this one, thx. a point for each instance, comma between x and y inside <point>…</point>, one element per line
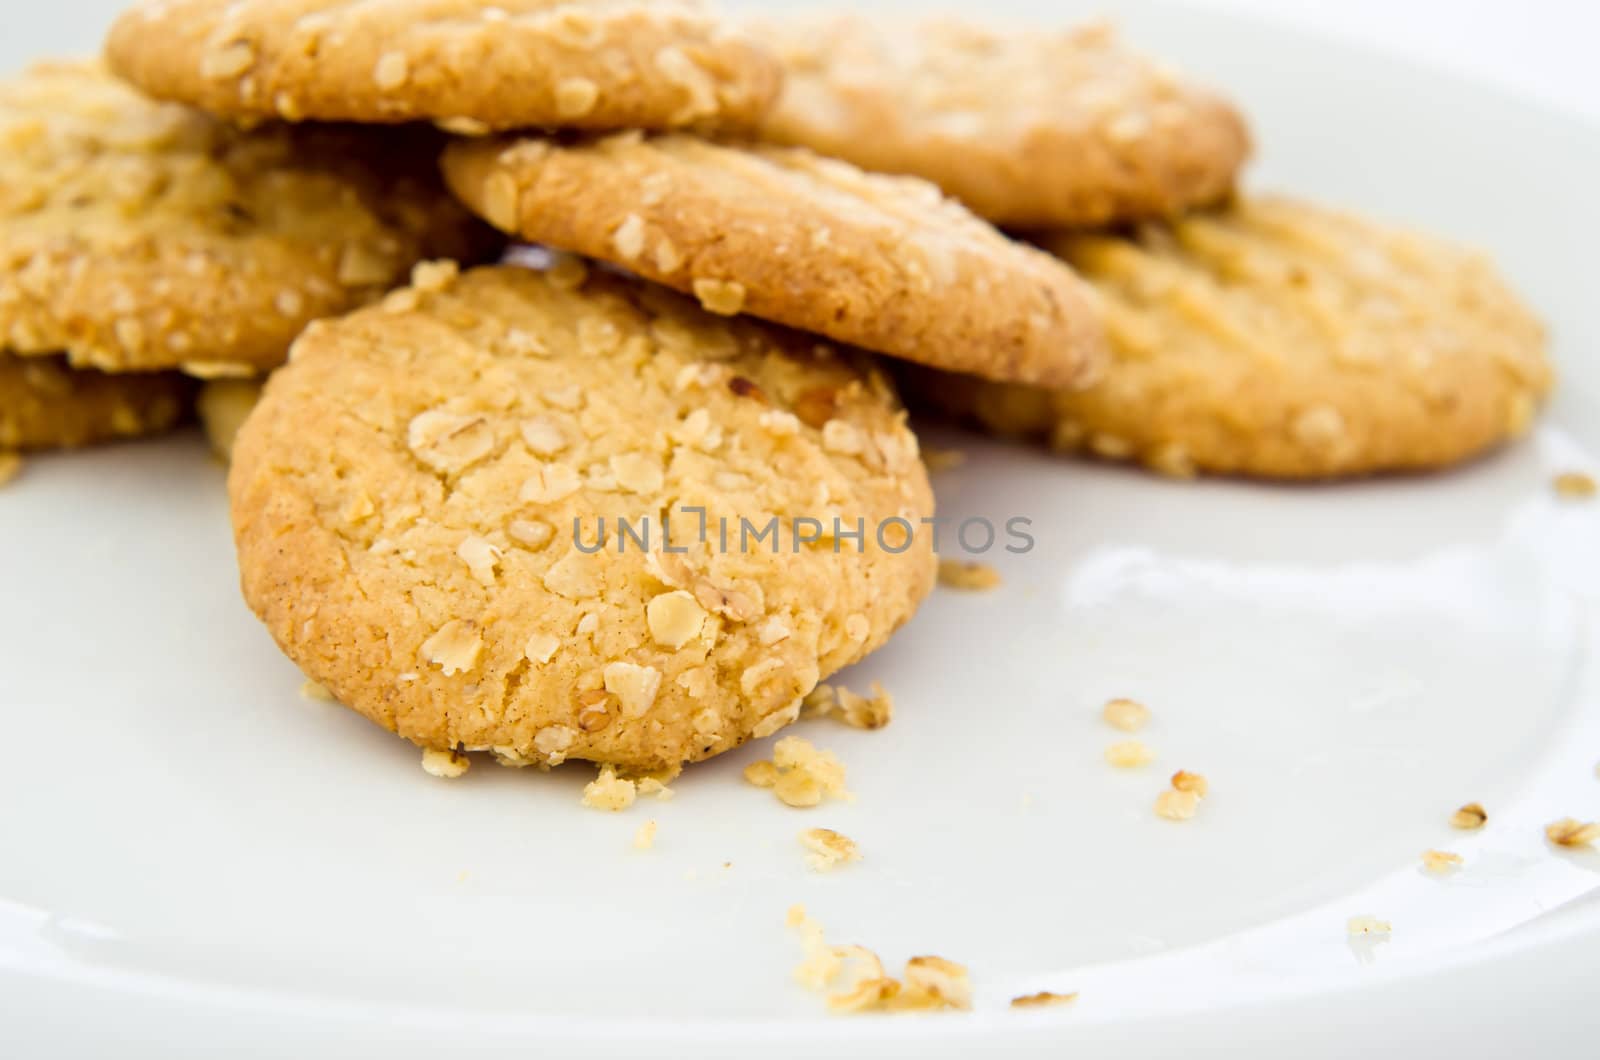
<point>404,499</point>
<point>471,65</point>
<point>885,263</point>
<point>46,405</point>
<point>136,235</point>
<point>1284,340</point>
<point>1027,127</point>
<point>223,406</point>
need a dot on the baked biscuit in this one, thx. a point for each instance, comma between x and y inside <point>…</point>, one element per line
<point>474,66</point>
<point>405,499</point>
<point>1028,128</point>
<point>1283,340</point>
<point>884,263</point>
<point>223,405</point>
<point>46,405</point>
<point>137,235</point>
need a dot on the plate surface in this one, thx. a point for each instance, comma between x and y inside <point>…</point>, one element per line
<point>193,856</point>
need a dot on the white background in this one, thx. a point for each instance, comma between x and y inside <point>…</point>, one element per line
<point>1538,48</point>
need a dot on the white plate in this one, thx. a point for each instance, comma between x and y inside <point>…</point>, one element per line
<point>193,857</point>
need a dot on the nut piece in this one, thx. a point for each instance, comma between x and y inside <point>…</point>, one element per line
<point>1469,818</point>
<point>1572,833</point>
<point>1575,485</point>
<point>1042,999</point>
<point>1129,754</point>
<point>609,791</point>
<point>446,764</point>
<point>967,576</point>
<point>828,849</point>
<point>1358,926</point>
<point>1125,714</point>
<point>1177,805</point>
<point>1440,861</point>
<point>674,618</point>
<point>645,837</point>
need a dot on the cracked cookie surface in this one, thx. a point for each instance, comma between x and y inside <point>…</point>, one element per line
<point>1285,340</point>
<point>44,404</point>
<point>137,236</point>
<point>474,66</point>
<point>1029,128</point>
<point>410,495</point>
<point>884,263</point>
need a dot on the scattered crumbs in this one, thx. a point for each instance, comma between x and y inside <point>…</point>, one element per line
<point>828,849</point>
<point>1572,833</point>
<point>645,837</point>
<point>10,465</point>
<point>1177,805</point>
<point>937,460</point>
<point>446,764</point>
<point>858,712</point>
<point>609,791</point>
<point>968,575</point>
<point>1440,862</point>
<point>1043,999</point>
<point>1469,818</point>
<point>1129,754</point>
<point>1183,780</point>
<point>1360,926</point>
<point>1125,714</point>
<point>927,984</point>
<point>315,692</point>
<point>799,774</point>
<point>653,786</point>
<point>1575,485</point>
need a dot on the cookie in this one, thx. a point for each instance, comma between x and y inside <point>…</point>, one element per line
<point>1029,128</point>
<point>139,236</point>
<point>883,263</point>
<point>223,405</point>
<point>417,504</point>
<point>473,66</point>
<point>46,405</point>
<point>1284,340</point>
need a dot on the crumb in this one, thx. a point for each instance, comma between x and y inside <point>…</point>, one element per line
<point>1358,926</point>
<point>928,983</point>
<point>1042,999</point>
<point>1183,780</point>
<point>10,465</point>
<point>1440,862</point>
<point>653,786</point>
<point>609,791</point>
<point>799,774</point>
<point>1125,714</point>
<point>1575,485</point>
<point>937,460</point>
<point>828,849</point>
<point>1469,818</point>
<point>968,575</point>
<point>446,764</point>
<point>858,712</point>
<point>315,692</point>
<point>645,837</point>
<point>1572,833</point>
<point>1177,805</point>
<point>1129,754</point>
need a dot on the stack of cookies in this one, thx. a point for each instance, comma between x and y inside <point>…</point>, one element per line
<point>631,494</point>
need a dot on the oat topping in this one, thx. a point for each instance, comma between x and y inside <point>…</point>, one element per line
<point>446,764</point>
<point>455,647</point>
<point>722,297</point>
<point>828,849</point>
<point>1440,862</point>
<point>968,575</point>
<point>1469,818</point>
<point>1129,754</point>
<point>1042,999</point>
<point>1572,833</point>
<point>1575,485</point>
<point>1125,714</point>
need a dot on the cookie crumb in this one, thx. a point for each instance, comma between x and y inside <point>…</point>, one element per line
<point>315,692</point>
<point>645,837</point>
<point>1129,754</point>
<point>927,984</point>
<point>609,791</point>
<point>447,765</point>
<point>1469,818</point>
<point>1125,714</point>
<point>799,774</point>
<point>968,575</point>
<point>856,711</point>
<point>1360,926</point>
<point>828,849</point>
<point>10,466</point>
<point>1575,485</point>
<point>1440,862</point>
<point>1183,780</point>
<point>1572,833</point>
<point>1177,805</point>
<point>1043,999</point>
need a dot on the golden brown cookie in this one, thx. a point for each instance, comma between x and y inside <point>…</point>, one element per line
<point>405,498</point>
<point>884,263</point>
<point>137,235</point>
<point>474,66</point>
<point>223,406</point>
<point>46,405</point>
<point>1027,127</point>
<point>1283,340</point>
